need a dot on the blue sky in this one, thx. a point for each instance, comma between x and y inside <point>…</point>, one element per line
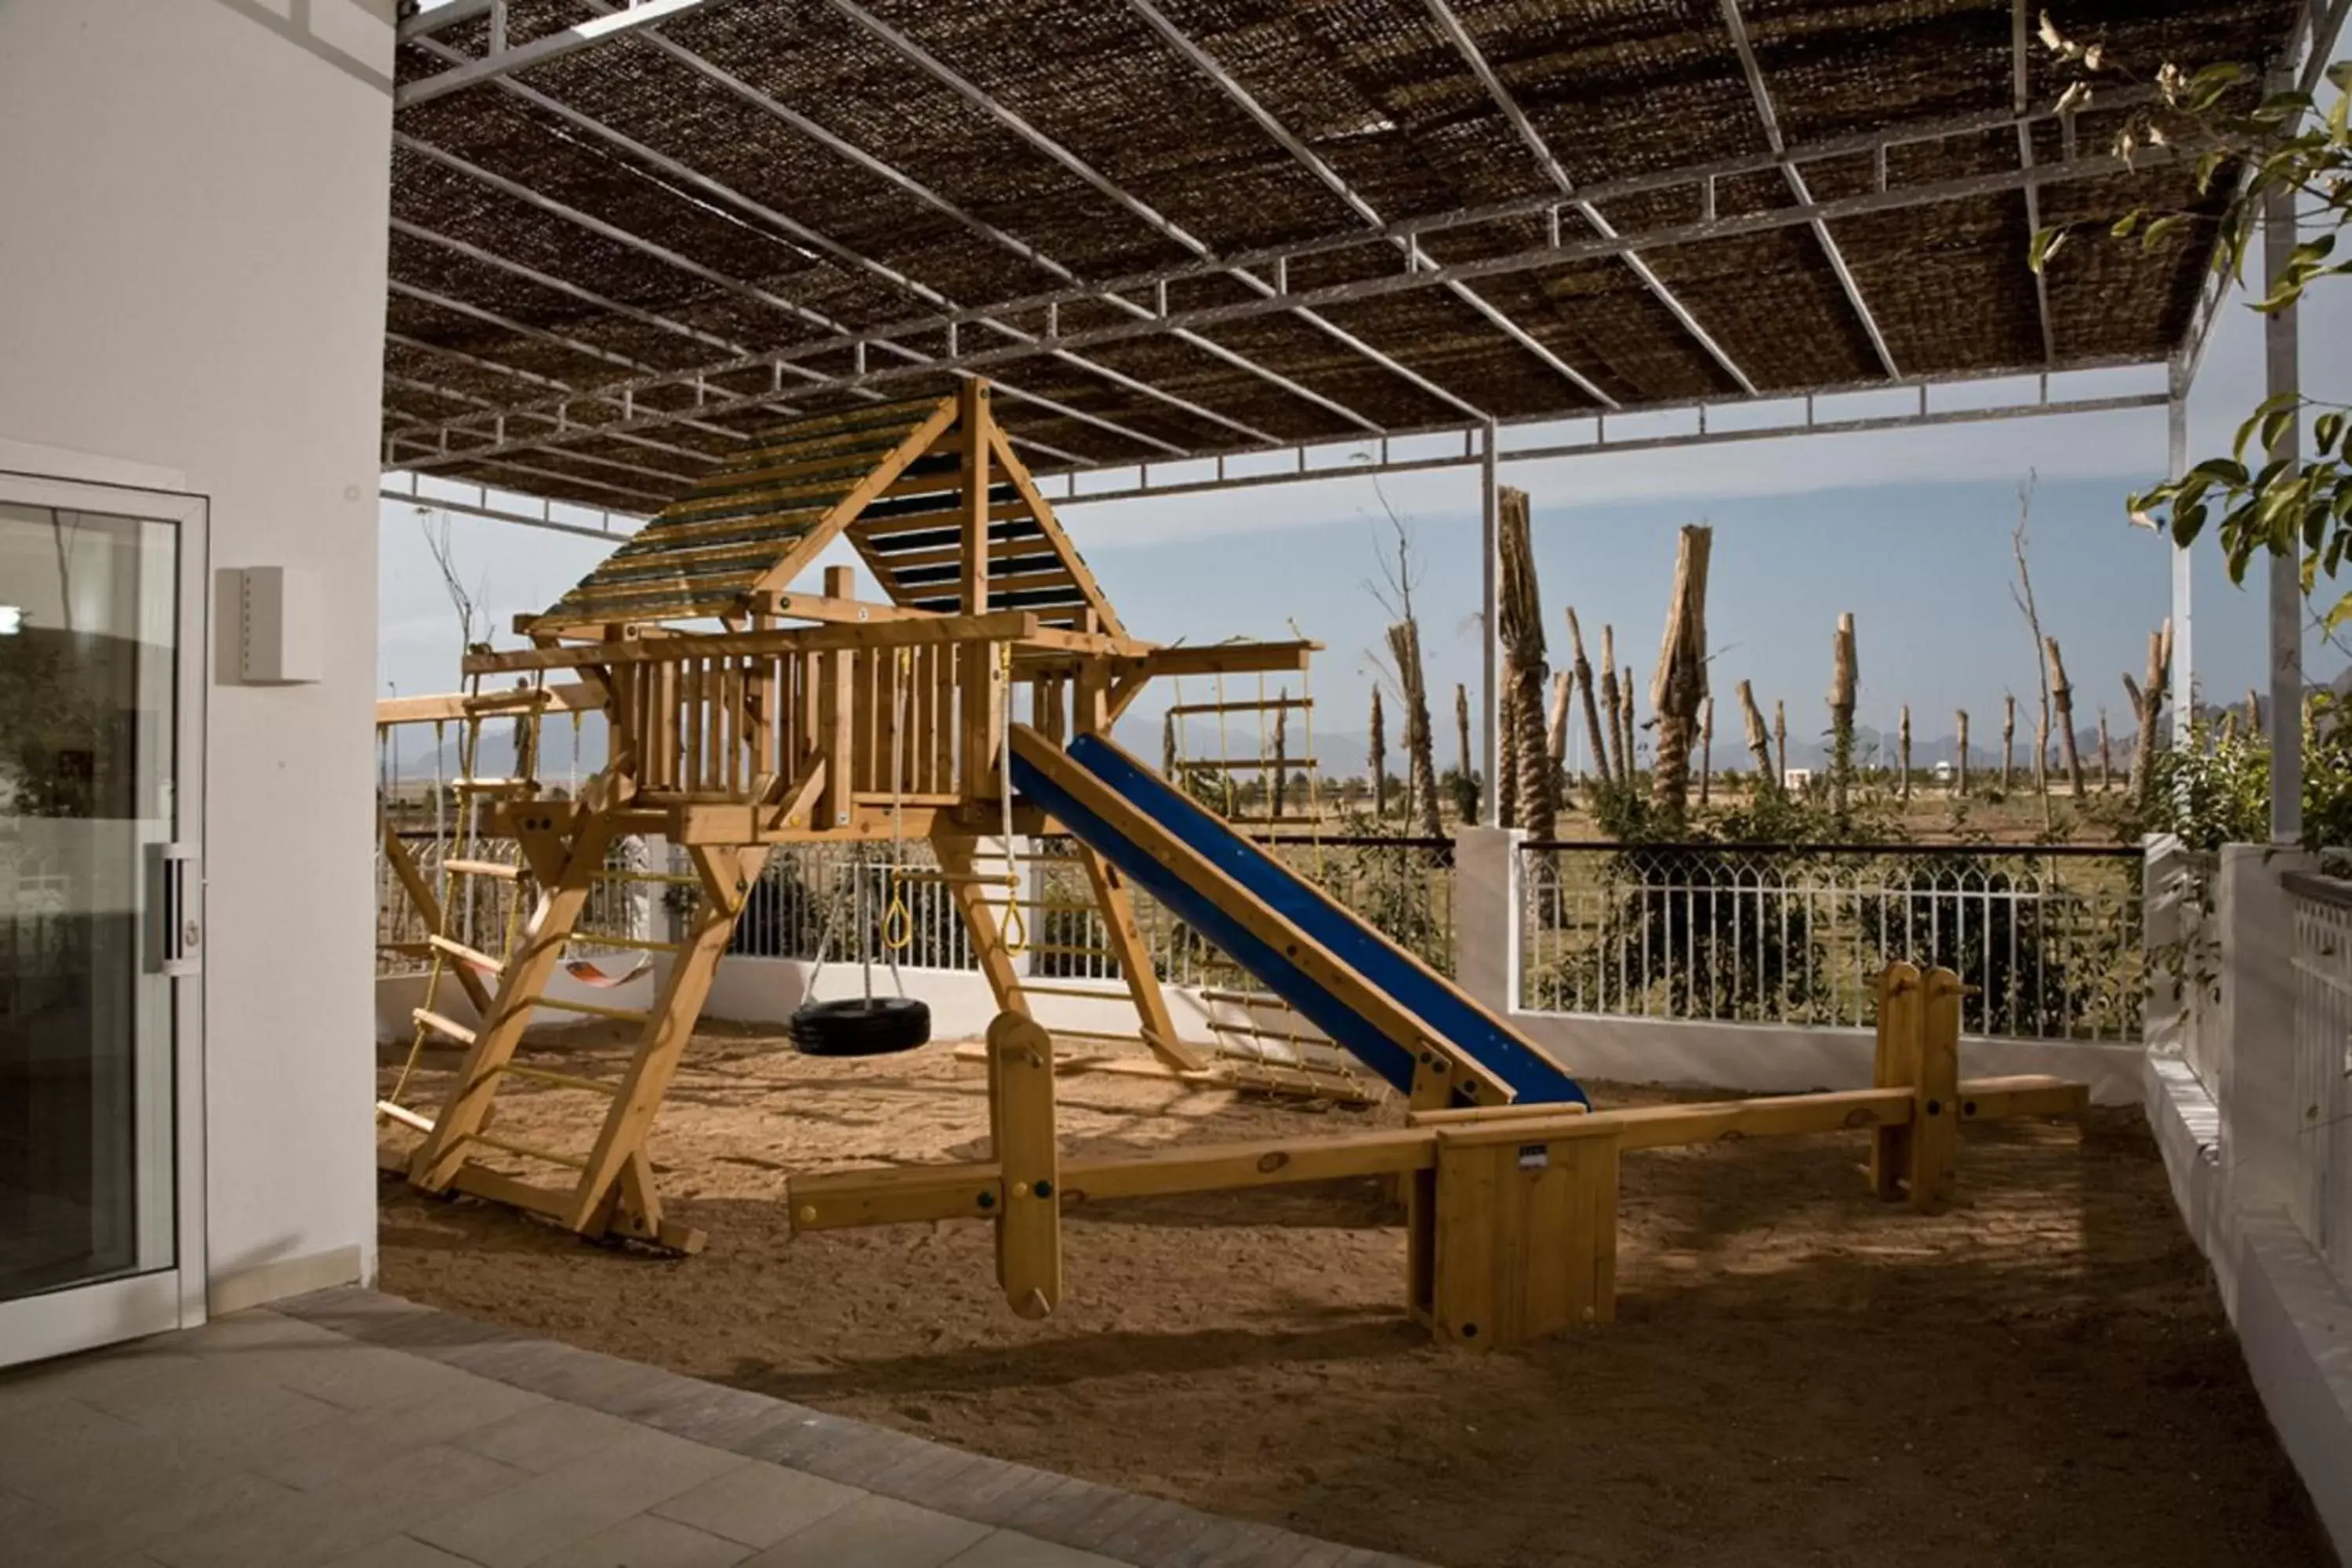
<point>1910,530</point>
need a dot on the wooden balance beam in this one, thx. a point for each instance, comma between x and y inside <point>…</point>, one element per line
<point>1511,1211</point>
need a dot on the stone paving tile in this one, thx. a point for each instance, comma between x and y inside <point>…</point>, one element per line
<point>548,1435</point>
<point>320,1455</point>
<point>874,1533</point>
<point>111,1486</point>
<point>756,1504</point>
<point>643,1541</point>
<point>305,1530</point>
<point>210,1403</point>
<point>608,1397</point>
<point>400,1552</point>
<point>574,1499</point>
<point>1010,1549</point>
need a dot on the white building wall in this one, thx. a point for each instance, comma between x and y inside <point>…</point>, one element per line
<point>193,199</point>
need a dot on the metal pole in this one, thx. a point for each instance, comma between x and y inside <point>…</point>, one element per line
<point>2184,664</point>
<point>1490,625</point>
<point>2283,372</point>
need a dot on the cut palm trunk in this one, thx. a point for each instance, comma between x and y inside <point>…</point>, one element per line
<point>1679,685</point>
<point>1843,678</point>
<point>1591,695</point>
<point>1759,745</point>
<point>2062,698</point>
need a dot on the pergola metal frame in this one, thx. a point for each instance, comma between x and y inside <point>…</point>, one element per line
<point>984,338</point>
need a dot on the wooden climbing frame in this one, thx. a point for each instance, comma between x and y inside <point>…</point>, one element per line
<point>743,714</point>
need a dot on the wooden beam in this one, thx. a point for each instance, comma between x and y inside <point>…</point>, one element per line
<point>1022,627</point>
<point>427,906</point>
<point>861,495</point>
<point>574,864</point>
<point>630,1117</point>
<point>955,851</point>
<point>453,707</point>
<point>827,609</point>
<point>1936,1113</point>
<point>1135,967</point>
<point>1051,525</point>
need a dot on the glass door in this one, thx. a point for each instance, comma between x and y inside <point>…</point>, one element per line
<point>101,913</point>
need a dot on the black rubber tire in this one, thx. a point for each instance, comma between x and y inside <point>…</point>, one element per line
<point>856,1027</point>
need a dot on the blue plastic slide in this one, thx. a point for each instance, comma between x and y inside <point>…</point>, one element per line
<point>1070,786</point>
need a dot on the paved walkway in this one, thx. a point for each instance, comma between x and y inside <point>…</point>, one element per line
<point>349,1430</point>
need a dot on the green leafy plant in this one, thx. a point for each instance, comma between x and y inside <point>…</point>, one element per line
<point>2248,147</point>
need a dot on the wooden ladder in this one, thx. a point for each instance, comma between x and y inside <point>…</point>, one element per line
<point>612,1191</point>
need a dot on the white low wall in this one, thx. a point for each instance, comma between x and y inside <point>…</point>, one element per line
<point>2225,1137</point>
<point>1773,1059</point>
<point>398,996</point>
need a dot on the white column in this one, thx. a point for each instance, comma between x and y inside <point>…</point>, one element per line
<point>1486,914</point>
<point>1490,699</point>
<point>2282,364</point>
<point>2184,663</point>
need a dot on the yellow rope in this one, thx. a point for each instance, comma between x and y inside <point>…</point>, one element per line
<point>897,921</point>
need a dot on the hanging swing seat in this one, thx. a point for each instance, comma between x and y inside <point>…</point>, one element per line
<point>861,1027</point>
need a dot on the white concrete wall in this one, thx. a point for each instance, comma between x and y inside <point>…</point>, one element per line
<point>193,199</point>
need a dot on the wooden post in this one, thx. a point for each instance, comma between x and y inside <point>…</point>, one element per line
<point>984,688</point>
<point>1936,1106</point>
<point>1522,1236</point>
<point>1843,680</point>
<point>2061,698</point>
<point>1029,1230</point>
<point>1583,668</point>
<point>1960,777</point>
<point>1896,1065</point>
<point>1759,743</point>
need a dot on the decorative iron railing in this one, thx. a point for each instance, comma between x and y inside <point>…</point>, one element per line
<point>2048,938</point>
<point>1404,888</point>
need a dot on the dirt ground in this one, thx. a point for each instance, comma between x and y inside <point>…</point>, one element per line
<point>1797,1375</point>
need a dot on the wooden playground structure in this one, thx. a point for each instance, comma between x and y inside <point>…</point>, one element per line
<point>744,714</point>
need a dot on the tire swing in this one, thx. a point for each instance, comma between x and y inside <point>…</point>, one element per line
<point>868,1024</point>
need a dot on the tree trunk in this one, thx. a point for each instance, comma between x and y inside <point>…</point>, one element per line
<point>1680,683</point>
<point>2061,698</point>
<point>1903,749</point>
<point>1844,678</point>
<point>1618,761</point>
<point>2008,741</point>
<point>1506,749</point>
<point>1591,695</point>
<point>1563,684</point>
<point>1470,791</point>
<point>1625,720</point>
<point>2107,757</point>
<point>1539,801</point>
<point>2148,700</point>
<point>1706,749</point>
<point>1961,773</point>
<point>1421,744</point>
<point>1758,747</point>
<point>2253,712</point>
<point>1278,790</point>
<point>1781,744</point>
<point>1377,758</point>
